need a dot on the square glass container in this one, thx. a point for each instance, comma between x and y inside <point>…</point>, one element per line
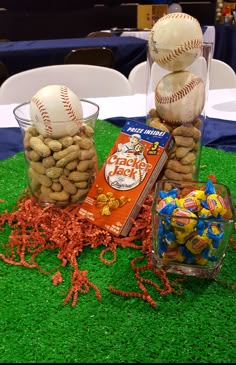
<point>191,225</point>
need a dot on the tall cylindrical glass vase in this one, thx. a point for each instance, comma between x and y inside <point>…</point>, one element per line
<point>176,102</point>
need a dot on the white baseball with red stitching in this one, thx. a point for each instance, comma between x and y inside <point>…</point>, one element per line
<point>180,97</point>
<point>175,41</point>
<point>56,111</point>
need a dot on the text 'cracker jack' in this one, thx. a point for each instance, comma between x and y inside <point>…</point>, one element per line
<point>126,177</point>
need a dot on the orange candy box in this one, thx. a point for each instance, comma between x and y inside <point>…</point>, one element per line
<point>126,177</point>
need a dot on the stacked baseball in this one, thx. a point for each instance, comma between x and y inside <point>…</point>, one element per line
<point>175,43</point>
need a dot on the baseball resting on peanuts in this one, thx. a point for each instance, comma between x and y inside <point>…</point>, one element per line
<point>56,111</point>
<point>175,41</point>
<point>180,97</point>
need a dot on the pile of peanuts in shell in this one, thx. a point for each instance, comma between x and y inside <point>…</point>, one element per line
<point>62,170</point>
<point>182,158</point>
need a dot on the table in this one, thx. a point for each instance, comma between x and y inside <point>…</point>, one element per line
<point>220,125</point>
<point>223,38</point>
<point>225,45</point>
<point>22,55</point>
<point>195,323</point>
<point>208,34</point>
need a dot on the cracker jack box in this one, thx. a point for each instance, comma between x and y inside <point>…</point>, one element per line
<point>147,15</point>
<point>126,177</point>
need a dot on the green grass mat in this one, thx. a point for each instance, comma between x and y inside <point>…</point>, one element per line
<point>197,326</point>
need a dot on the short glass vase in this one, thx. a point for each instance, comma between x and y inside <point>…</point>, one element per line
<point>61,169</point>
<point>191,226</point>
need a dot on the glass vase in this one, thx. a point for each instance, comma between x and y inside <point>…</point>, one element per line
<point>191,226</point>
<point>176,102</point>
<point>60,170</point>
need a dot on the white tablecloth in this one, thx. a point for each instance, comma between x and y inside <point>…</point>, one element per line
<point>221,104</point>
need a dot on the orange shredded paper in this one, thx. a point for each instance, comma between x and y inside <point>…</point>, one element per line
<point>34,229</point>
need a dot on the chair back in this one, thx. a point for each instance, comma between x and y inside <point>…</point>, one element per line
<point>138,78</point>
<point>87,81</point>
<point>222,76</point>
<point>100,56</point>
<point>140,75</point>
<point>100,34</point>
<point>4,73</point>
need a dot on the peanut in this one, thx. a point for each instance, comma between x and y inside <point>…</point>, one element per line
<point>156,123</point>
<point>68,186</point>
<point>79,195</point>
<point>88,131</point>
<point>78,176</point>
<point>85,165</point>
<point>178,167</point>
<point>61,154</point>
<point>72,165</point>
<point>54,145</point>
<point>42,179</point>
<point>85,143</point>
<point>187,131</point>
<point>86,154</point>
<point>182,151</point>
<point>66,141</point>
<point>69,157</point>
<point>81,184</point>
<point>184,141</point>
<point>38,167</point>
<point>172,175</point>
<point>45,191</point>
<point>56,186</point>
<point>66,172</point>
<point>54,172</point>
<point>48,162</point>
<point>38,146</point>
<point>59,196</point>
<point>189,158</point>
<point>33,155</point>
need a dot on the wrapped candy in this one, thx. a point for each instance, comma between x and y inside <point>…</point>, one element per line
<point>190,202</point>
<point>191,227</point>
<point>183,218</point>
<point>216,205</point>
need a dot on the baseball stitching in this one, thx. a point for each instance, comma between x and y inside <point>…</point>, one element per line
<point>177,52</point>
<point>177,16</point>
<point>67,105</point>
<point>44,114</point>
<point>178,95</point>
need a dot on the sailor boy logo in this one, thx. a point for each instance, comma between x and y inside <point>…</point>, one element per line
<point>127,167</point>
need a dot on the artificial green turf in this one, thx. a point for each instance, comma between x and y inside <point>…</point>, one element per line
<point>197,326</point>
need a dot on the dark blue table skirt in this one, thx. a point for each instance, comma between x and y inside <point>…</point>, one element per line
<point>22,55</point>
<point>225,44</point>
<point>220,134</point>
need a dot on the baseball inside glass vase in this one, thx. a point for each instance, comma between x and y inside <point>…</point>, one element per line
<point>61,158</point>
<point>177,89</point>
<point>176,102</point>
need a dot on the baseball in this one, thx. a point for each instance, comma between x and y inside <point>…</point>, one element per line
<point>180,97</point>
<point>175,41</point>
<point>56,111</point>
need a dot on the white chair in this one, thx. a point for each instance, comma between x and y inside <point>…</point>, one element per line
<point>222,76</point>
<point>138,78</point>
<point>87,81</point>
